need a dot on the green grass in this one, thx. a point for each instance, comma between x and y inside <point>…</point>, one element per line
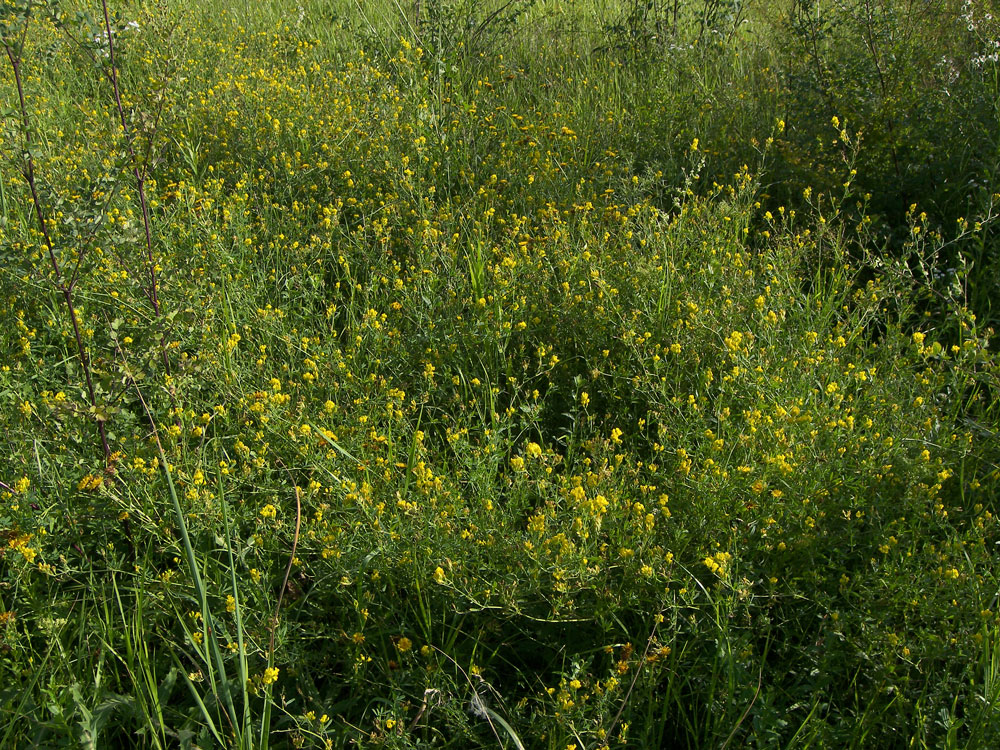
<point>544,379</point>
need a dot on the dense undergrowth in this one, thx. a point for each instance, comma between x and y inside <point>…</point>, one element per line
<point>567,376</point>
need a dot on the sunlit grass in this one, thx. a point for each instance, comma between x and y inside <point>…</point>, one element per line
<point>496,396</point>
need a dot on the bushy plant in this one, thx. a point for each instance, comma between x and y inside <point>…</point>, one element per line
<point>473,413</point>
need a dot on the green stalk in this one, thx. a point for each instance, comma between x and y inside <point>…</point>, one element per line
<point>208,633</point>
<point>244,675</point>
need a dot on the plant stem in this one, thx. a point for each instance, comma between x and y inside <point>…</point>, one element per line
<point>65,289</point>
<point>139,174</point>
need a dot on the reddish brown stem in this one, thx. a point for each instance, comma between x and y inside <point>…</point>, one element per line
<point>291,560</point>
<point>139,174</point>
<point>60,283</point>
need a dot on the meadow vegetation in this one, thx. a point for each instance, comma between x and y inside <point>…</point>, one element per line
<point>531,374</point>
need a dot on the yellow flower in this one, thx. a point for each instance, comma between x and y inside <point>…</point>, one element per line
<point>404,644</point>
<point>439,574</point>
<point>719,563</point>
<point>268,511</point>
<point>270,676</point>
